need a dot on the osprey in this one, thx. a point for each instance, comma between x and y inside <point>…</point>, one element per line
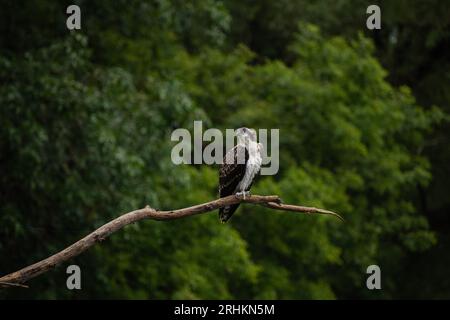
<point>240,167</point>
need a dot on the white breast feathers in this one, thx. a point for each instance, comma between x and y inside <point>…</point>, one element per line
<point>252,167</point>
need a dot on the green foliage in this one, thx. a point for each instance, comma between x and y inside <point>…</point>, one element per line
<point>348,142</point>
<point>85,124</point>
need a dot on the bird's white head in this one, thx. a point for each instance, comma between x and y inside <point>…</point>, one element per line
<point>245,135</point>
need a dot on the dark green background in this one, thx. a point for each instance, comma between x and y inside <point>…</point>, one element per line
<point>85,124</point>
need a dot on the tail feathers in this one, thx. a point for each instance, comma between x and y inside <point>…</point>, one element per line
<point>225,213</point>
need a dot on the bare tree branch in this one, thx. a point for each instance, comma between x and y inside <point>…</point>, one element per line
<point>9,284</point>
<point>19,277</point>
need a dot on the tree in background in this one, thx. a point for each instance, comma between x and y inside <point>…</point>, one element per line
<point>413,45</point>
<point>85,128</point>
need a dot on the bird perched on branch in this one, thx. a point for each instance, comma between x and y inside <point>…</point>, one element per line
<point>239,169</point>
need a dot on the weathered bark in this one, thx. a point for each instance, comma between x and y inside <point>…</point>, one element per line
<point>19,277</point>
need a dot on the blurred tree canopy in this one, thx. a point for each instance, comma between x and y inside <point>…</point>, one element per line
<point>85,124</point>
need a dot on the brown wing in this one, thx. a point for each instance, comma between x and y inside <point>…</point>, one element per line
<point>231,173</point>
